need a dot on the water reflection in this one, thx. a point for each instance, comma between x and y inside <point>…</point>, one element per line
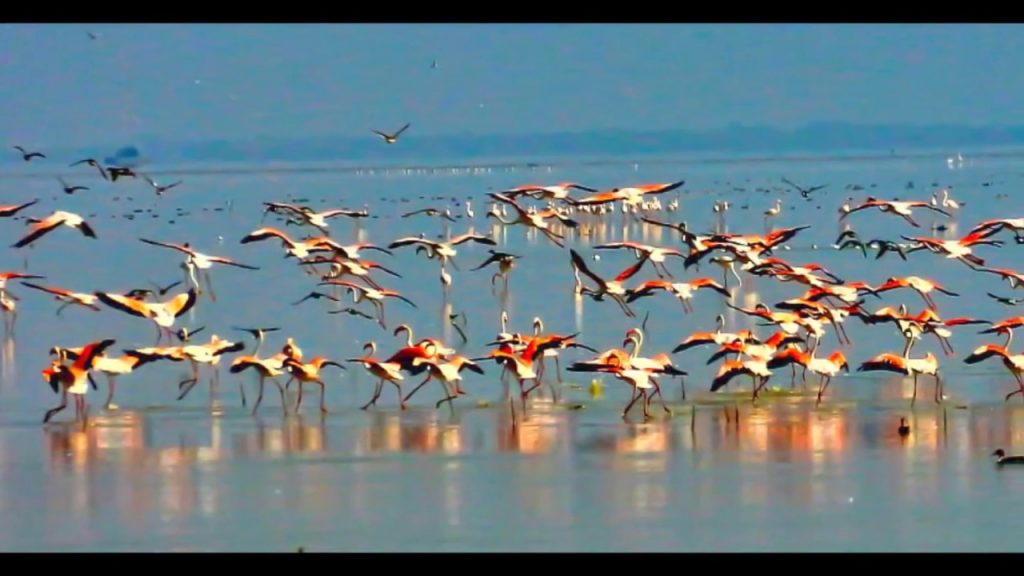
<point>7,367</point>
<point>160,472</point>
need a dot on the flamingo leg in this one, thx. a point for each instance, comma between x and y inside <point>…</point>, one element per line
<point>298,402</point>
<point>825,381</point>
<point>657,390</point>
<point>418,386</point>
<point>209,285</point>
<point>398,388</point>
<point>323,393</point>
<point>636,396</point>
<point>109,405</point>
<point>259,397</point>
<point>377,389</point>
<point>914,397</point>
<point>448,396</point>
<point>63,404</point>
<point>284,398</point>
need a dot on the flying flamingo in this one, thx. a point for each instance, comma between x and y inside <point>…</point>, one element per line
<point>41,226</point>
<point>1013,362</point>
<point>889,362</point>
<point>72,379</point>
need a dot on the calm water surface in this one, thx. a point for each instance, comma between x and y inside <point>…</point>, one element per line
<point>719,474</point>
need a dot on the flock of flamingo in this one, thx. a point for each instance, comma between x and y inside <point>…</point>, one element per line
<point>798,325</point>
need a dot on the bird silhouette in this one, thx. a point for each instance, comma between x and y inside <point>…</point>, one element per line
<point>392,138</point>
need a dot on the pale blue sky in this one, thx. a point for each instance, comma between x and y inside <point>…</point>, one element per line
<point>238,81</point>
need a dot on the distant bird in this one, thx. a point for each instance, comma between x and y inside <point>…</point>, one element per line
<point>118,172</point>
<point>257,333</point>
<point>505,263</point>
<point>164,290</point>
<point>92,162</point>
<point>8,210</point>
<point>92,35</point>
<point>351,312</point>
<point>68,297</point>
<point>447,214</point>
<point>68,189</point>
<point>52,222</point>
<point>805,192</point>
<point>26,155</point>
<point>314,295</point>
<point>159,188</point>
<point>392,138</point>
<point>904,429</point>
<point>1002,458</point>
<point>1005,300</point>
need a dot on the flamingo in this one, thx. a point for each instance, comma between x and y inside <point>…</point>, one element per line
<point>376,297</point>
<point>309,372</point>
<point>267,368</point>
<point>684,291</point>
<point>40,227</point>
<point>1013,362</point>
<point>901,209</point>
<point>532,219</point>
<point>163,314</point>
<point>384,371</point>
<point>72,379</point>
<point>889,362</point>
<point>826,368</point>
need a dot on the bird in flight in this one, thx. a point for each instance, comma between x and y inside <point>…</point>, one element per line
<point>1005,300</point>
<point>160,188</point>
<point>26,155</point>
<point>392,138</point>
<point>68,189</point>
<point>92,162</point>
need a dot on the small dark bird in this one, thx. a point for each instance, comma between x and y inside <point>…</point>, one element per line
<point>184,334</point>
<point>26,155</point>
<point>68,189</point>
<point>392,138</point>
<point>1002,458</point>
<point>351,312</point>
<point>257,333</point>
<point>805,192</point>
<point>117,172</point>
<point>887,246</point>
<point>94,163</point>
<point>904,429</point>
<point>855,244</point>
<point>1005,300</point>
<point>315,295</point>
<point>165,289</point>
<point>431,212</point>
<point>92,35</point>
<point>160,189</point>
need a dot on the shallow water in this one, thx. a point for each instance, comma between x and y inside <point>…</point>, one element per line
<point>203,474</point>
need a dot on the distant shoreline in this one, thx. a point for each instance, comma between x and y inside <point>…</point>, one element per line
<point>339,167</point>
<point>736,144</point>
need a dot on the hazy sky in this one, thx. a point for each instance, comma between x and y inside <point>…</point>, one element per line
<point>238,81</point>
